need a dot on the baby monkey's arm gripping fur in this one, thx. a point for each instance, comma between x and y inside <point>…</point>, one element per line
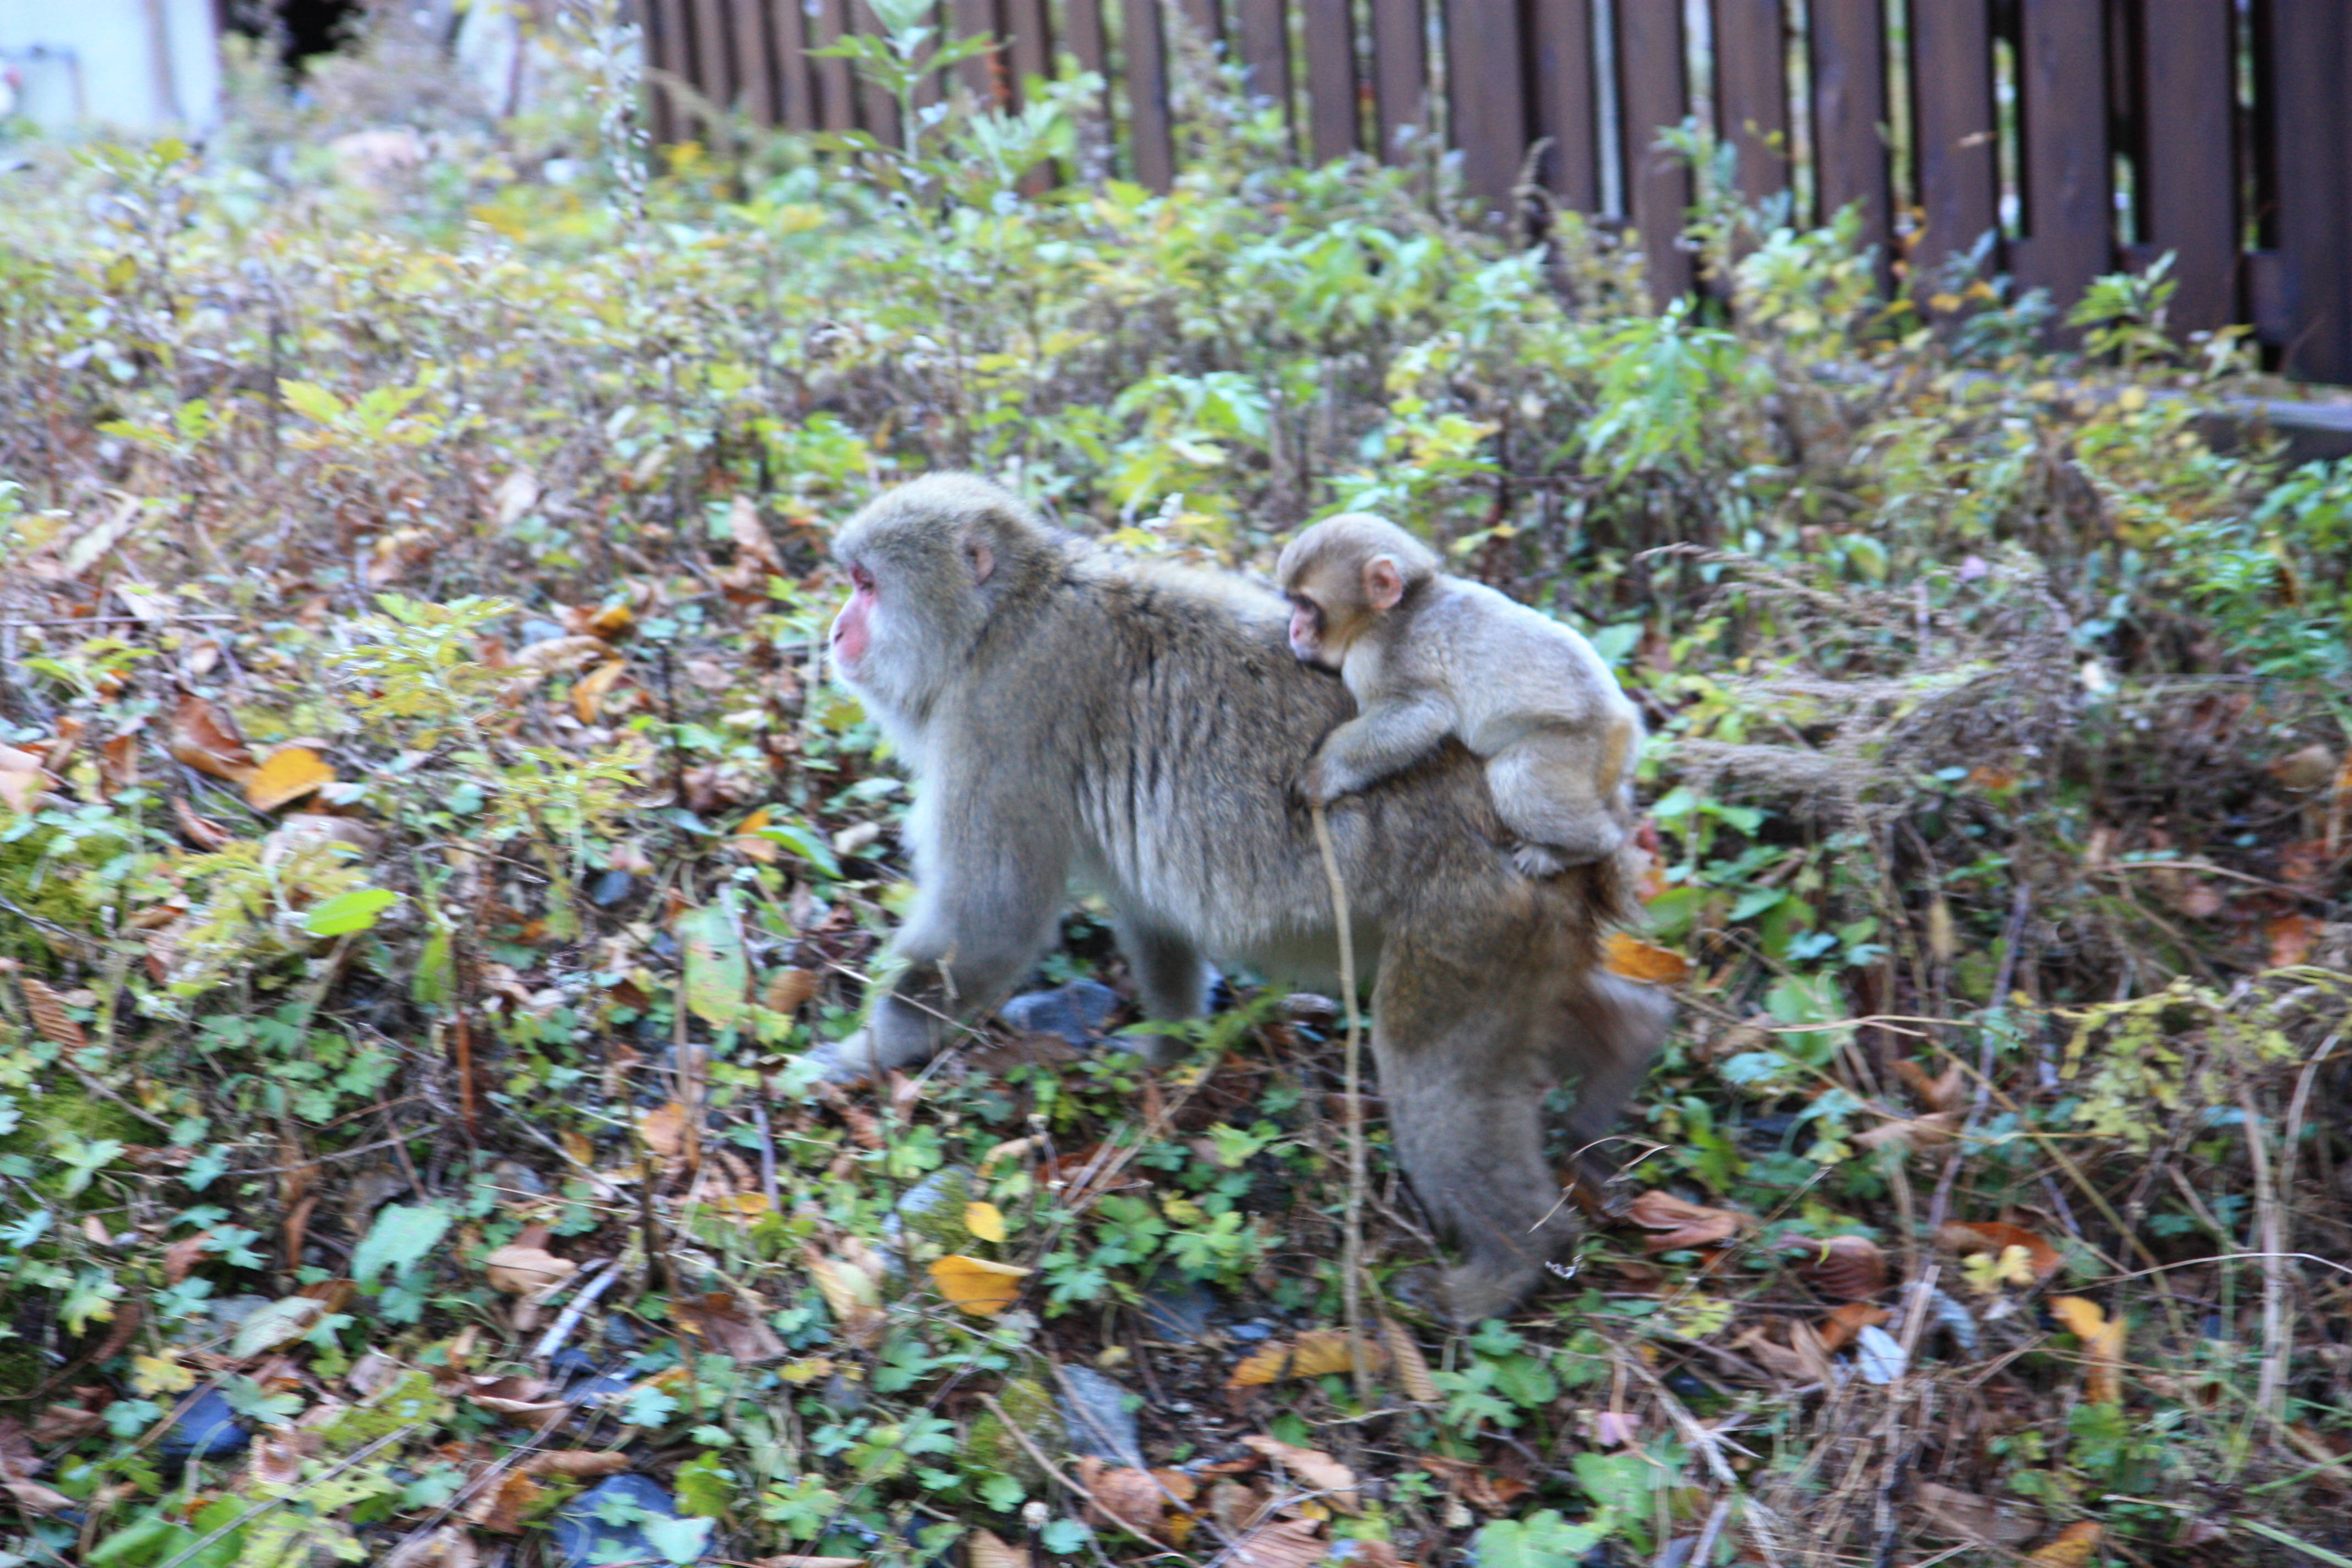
<point>1385,739</point>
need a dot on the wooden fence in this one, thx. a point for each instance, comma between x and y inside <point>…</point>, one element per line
<point>2084,135</point>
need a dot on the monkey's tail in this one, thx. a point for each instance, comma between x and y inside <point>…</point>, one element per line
<point>1352,1241</point>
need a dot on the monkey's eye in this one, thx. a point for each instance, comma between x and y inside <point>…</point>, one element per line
<point>861,579</point>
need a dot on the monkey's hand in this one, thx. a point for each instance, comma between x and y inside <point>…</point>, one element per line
<point>1535,862</point>
<point>1323,783</point>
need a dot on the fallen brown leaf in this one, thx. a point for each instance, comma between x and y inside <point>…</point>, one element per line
<point>986,1548</point>
<point>201,831</point>
<point>447,1547</point>
<point>1837,1330</point>
<point>206,739</point>
<point>1845,1268</point>
<point>664,1130</point>
<point>1480,1488</point>
<point>588,693</point>
<point>1129,1499</point>
<point>1949,1092</point>
<point>527,1270</point>
<point>724,1323</point>
<point>1411,1366</point>
<point>1973,1518</point>
<point>1285,1543</point>
<point>1682,1225</point>
<point>50,1017</point>
<point>578,1464</point>
<point>502,1509</point>
<point>1319,1471</point>
<point>2289,940</point>
<point>1914,1134</point>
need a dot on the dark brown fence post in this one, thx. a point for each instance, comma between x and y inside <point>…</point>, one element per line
<point>1028,40</point>
<point>754,76</point>
<point>1564,110</point>
<point>1953,130</point>
<point>1751,90</point>
<point>2187,96</point>
<point>2310,130</point>
<point>1262,31</point>
<point>666,55</point>
<point>1400,73</point>
<point>1484,71</point>
<point>877,110</point>
<point>2069,218</point>
<point>714,74</point>
<point>1151,141</point>
<point>837,86</point>
<point>1652,95</point>
<point>1335,129</point>
<point>982,76</point>
<point>1849,152</point>
<point>796,93</point>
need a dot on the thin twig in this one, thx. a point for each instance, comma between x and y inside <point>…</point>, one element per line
<point>2270,1389</point>
<point>1030,1447</point>
<point>1351,1238</point>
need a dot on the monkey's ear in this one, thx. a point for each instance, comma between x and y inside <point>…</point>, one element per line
<point>982,559</point>
<point>1383,583</point>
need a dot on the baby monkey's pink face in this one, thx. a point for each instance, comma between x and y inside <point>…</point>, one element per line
<point>1307,631</point>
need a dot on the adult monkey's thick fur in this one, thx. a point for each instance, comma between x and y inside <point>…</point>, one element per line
<point>1074,716</point>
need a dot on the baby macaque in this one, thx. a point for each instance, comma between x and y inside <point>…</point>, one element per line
<point>1428,656</point>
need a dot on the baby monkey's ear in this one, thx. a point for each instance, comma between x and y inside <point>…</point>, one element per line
<point>1383,582</point>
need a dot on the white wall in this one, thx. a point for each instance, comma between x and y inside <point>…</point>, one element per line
<point>132,65</point>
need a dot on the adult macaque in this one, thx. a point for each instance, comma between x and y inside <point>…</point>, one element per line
<point>1428,656</point>
<point>1072,716</point>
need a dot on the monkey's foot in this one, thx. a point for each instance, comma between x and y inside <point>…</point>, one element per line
<point>1485,1288</point>
<point>852,1060</point>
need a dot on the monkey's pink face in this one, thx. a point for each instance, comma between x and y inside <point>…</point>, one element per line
<point>853,628</point>
<point>1307,630</point>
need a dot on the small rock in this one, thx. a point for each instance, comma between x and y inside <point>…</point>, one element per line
<point>1094,1410</point>
<point>1075,1012</point>
<point>206,1427</point>
<point>583,1539</point>
<point>1178,1310</point>
<point>611,886</point>
<point>1256,1330</point>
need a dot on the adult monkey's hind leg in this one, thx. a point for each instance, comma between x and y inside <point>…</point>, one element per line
<point>1459,1039</point>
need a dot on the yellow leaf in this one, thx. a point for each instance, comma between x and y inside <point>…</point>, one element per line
<point>588,693</point>
<point>2103,1346</point>
<point>289,773</point>
<point>160,1375</point>
<point>1314,1353</point>
<point>976,1285</point>
<point>749,844</point>
<point>1411,1366</point>
<point>2068,1548</point>
<point>2132,399</point>
<point>576,1145</point>
<point>1644,961</point>
<point>985,1221</point>
<point>664,1129</point>
<point>807,1370</point>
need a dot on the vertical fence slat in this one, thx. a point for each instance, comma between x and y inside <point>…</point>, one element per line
<point>1400,72</point>
<point>1151,145</point>
<point>1483,72</point>
<point>714,74</point>
<point>1849,152</point>
<point>1751,90</point>
<point>878,111</point>
<point>1329,28</point>
<point>2191,164</point>
<point>982,76</point>
<point>1029,41</point>
<point>1954,130</point>
<point>836,99</point>
<point>795,101</point>
<point>1202,16</point>
<point>664,47</point>
<point>2310,126</point>
<point>1653,96</point>
<point>754,80</point>
<point>1561,37</point>
<point>1262,31</point>
<point>2069,219</point>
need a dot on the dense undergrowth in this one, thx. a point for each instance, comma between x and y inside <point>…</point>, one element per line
<point>427,835</point>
